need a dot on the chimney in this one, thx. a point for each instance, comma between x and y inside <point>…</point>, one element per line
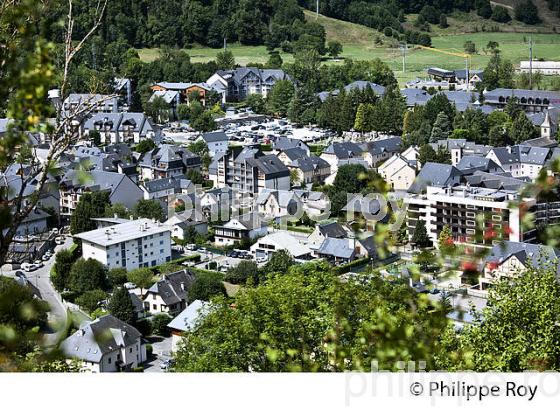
<point>183,286</point>
<point>115,216</point>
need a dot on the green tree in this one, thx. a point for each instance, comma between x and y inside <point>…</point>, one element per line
<point>522,129</point>
<point>86,275</point>
<point>445,241</point>
<point>469,47</point>
<point>90,205</point>
<point>120,305</point>
<point>149,208</point>
<point>145,145</point>
<point>204,122</point>
<point>159,324</point>
<point>256,103</point>
<point>274,60</point>
<point>61,269</point>
<point>441,128</point>
<point>427,154</point>
<point>242,272</point>
<point>443,21</point>
<point>279,97</point>
<point>158,109</point>
<point>279,263</point>
<point>420,237</point>
<point>117,276</point>
<point>309,320</point>
<point>195,176</point>
<point>206,285</point>
<point>527,12</point>
<point>500,14</point>
<point>90,300</point>
<point>498,73</point>
<point>225,60</point>
<point>141,277</point>
<point>334,48</point>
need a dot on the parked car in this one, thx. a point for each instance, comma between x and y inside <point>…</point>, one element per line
<point>28,267</point>
<point>20,274</point>
<point>45,257</point>
<point>262,259</point>
<point>166,364</point>
<point>191,247</point>
<point>39,263</point>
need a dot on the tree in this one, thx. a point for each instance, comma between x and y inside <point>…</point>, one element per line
<point>116,209</point>
<point>141,277</point>
<point>90,205</point>
<point>517,331</point>
<point>441,128</point>
<point>200,148</point>
<point>493,47</point>
<point>484,9</point>
<point>334,48</point>
<point>498,73</point>
<point>95,136</point>
<point>426,154</point>
<point>360,121</point>
<point>445,241</point>
<point>87,274</point>
<point>61,269</point>
<point>149,208</point>
<point>443,21</point>
<point>145,145</point>
<point>279,97</point>
<point>120,305</point>
<point>309,320</point>
<point>420,236</point>
<point>90,300</point>
<point>295,179</point>
<point>527,12</point>
<point>159,323</point>
<point>274,61</point>
<point>158,109</point>
<point>469,47</point>
<point>244,271</point>
<point>522,128</point>
<point>225,60</point>
<point>280,262</point>
<point>206,285</point>
<point>204,122</point>
<point>117,276</point>
<point>256,103</point>
<point>500,14</point>
<point>195,177</point>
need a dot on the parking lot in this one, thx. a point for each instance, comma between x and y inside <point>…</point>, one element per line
<point>223,262</point>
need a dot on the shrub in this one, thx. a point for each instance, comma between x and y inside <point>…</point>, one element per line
<point>159,324</point>
<point>90,300</point>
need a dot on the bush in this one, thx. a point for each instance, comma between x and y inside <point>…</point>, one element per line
<point>144,326</point>
<point>149,350</point>
<point>87,274</point>
<point>159,324</point>
<point>243,271</point>
<point>117,277</point>
<point>90,300</point>
<point>206,285</point>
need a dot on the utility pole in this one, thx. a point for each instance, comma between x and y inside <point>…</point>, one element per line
<point>404,48</point>
<point>317,15</point>
<point>531,62</point>
<point>225,44</point>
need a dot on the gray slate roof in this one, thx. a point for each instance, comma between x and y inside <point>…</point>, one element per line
<point>172,287</point>
<point>433,174</point>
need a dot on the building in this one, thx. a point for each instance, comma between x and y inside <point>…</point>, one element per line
<point>460,148</point>
<point>520,160</point>
<point>460,207</point>
<point>528,100</point>
<point>379,90</point>
<point>187,321</point>
<point>267,245</point>
<point>187,91</point>
<point>280,144</point>
<point>169,294</point>
<point>114,128</point>
<point>342,153</point>
<point>217,142</point>
<point>90,103</point>
<point>106,344</point>
<point>398,172</point>
<point>164,188</point>
<point>241,82</point>
<point>122,190</point>
<point>274,204</point>
<point>508,259</point>
<point>182,223</point>
<point>247,171</point>
<point>542,67</point>
<point>131,245</point>
<point>167,161</point>
<point>245,227</point>
<point>326,230</point>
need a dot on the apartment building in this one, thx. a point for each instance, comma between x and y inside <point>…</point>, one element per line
<point>241,82</point>
<point>520,160</point>
<point>167,161</point>
<point>248,171</point>
<point>130,245</point>
<point>465,209</point>
<point>114,128</point>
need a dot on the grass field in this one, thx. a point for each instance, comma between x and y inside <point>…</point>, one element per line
<point>358,43</point>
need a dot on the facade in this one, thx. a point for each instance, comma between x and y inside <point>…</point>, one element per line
<point>543,67</point>
<point>182,222</point>
<point>244,227</point>
<point>266,246</point>
<point>248,171</point>
<point>169,294</point>
<point>244,81</point>
<point>114,128</point>
<point>217,142</point>
<point>95,103</point>
<point>520,160</point>
<point>167,161</point>
<point>185,90</point>
<point>106,344</point>
<point>398,172</point>
<point>460,207</point>
<point>131,245</point>
<point>378,151</point>
<point>528,100</point>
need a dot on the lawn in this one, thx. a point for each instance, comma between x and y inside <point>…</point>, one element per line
<point>358,43</point>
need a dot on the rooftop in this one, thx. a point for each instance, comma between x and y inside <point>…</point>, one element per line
<point>127,231</point>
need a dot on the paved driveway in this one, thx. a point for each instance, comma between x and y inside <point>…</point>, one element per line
<point>161,351</point>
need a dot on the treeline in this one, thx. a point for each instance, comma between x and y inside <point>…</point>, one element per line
<point>181,23</point>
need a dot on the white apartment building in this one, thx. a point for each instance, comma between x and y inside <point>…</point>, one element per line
<point>459,207</point>
<point>130,245</point>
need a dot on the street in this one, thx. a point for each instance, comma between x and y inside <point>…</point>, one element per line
<point>161,351</point>
<point>40,278</point>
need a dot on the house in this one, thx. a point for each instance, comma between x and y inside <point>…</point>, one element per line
<point>215,203</point>
<point>182,223</point>
<point>248,226</point>
<point>267,245</point>
<point>326,230</point>
<point>106,344</point>
<point>434,174</point>
<point>35,223</point>
<point>360,85</point>
<point>171,98</point>
<point>377,151</point>
<point>398,172</point>
<point>122,190</point>
<point>114,128</point>
<point>315,203</point>
<point>520,160</point>
<point>280,144</point>
<point>337,250</point>
<point>290,155</point>
<point>241,82</point>
<point>164,188</point>
<point>274,204</point>
<point>460,148</point>
<point>310,169</point>
<point>342,153</point>
<point>167,161</point>
<point>187,321</point>
<point>169,294</point>
<point>90,103</point>
<point>470,164</point>
<point>361,209</point>
<point>508,259</point>
<point>130,245</point>
<point>216,141</point>
<point>188,91</point>
<point>247,171</point>
<point>547,121</point>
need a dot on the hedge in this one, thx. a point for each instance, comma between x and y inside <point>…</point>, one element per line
<point>347,266</point>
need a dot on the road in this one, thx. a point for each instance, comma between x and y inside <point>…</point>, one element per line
<point>41,280</point>
<point>161,351</point>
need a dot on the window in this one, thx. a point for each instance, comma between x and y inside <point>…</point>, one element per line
<point>161,251</point>
<point>161,242</point>
<point>470,214</point>
<point>470,231</point>
<point>470,223</point>
<point>496,217</point>
<point>130,350</point>
<point>154,307</point>
<point>109,360</point>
